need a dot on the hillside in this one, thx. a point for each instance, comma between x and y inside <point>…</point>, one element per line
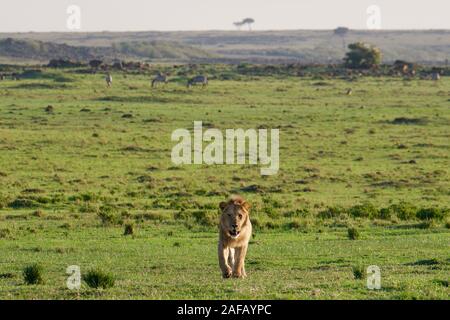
<point>305,46</point>
<point>36,50</point>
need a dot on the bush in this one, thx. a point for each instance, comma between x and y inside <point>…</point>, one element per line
<point>365,210</point>
<point>32,274</point>
<point>20,203</point>
<point>332,212</point>
<point>362,56</point>
<point>204,218</point>
<point>403,210</point>
<point>353,233</point>
<point>431,214</point>
<point>99,279</point>
<point>108,216</point>
<point>303,212</point>
<point>271,212</point>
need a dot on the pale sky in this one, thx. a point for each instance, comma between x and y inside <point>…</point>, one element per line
<point>144,15</point>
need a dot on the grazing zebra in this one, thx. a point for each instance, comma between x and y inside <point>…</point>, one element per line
<point>203,80</point>
<point>435,76</point>
<point>108,80</point>
<point>159,78</point>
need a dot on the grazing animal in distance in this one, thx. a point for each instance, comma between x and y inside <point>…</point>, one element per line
<point>109,80</point>
<point>203,80</point>
<point>435,76</point>
<point>162,78</point>
<point>234,236</point>
<point>2,77</point>
<point>349,91</point>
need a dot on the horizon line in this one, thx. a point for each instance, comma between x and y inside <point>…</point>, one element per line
<point>220,30</point>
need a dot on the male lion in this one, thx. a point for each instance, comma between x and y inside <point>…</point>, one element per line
<point>234,235</point>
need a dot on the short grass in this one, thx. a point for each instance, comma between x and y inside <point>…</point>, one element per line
<point>74,175</point>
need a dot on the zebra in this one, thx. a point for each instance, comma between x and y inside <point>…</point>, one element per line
<point>435,76</point>
<point>159,78</point>
<point>108,80</point>
<point>203,80</point>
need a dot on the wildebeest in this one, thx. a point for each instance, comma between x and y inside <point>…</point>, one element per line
<point>159,78</point>
<point>203,80</point>
<point>108,80</point>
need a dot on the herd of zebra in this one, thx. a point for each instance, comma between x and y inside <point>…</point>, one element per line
<point>161,78</point>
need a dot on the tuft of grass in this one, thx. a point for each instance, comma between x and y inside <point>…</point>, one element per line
<point>33,273</point>
<point>38,213</point>
<point>97,278</point>
<point>353,233</point>
<point>5,233</point>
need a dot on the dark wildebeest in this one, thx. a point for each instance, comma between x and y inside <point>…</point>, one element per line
<point>202,80</point>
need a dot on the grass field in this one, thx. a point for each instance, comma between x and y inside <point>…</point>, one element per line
<point>74,175</point>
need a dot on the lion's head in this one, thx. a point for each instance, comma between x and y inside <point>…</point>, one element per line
<point>235,216</point>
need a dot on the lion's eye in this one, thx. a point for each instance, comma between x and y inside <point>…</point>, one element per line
<point>240,216</point>
<point>229,214</point>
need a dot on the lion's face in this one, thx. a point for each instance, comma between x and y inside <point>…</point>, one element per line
<point>234,216</point>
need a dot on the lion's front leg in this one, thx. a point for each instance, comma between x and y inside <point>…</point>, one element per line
<point>223,261</point>
<point>239,269</point>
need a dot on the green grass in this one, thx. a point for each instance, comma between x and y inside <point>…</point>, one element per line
<point>74,177</point>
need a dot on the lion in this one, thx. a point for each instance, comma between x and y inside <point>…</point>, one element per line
<point>234,235</point>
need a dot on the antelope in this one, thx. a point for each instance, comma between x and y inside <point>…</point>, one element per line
<point>159,78</point>
<point>108,80</point>
<point>203,80</point>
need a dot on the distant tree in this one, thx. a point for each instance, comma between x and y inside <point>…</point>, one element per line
<point>246,21</point>
<point>362,56</point>
<point>238,24</point>
<point>249,22</point>
<point>342,32</point>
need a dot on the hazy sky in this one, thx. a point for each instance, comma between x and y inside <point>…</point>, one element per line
<point>120,15</point>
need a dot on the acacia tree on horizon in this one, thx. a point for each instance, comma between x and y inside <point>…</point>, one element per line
<point>246,21</point>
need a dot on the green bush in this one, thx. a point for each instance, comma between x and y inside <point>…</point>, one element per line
<point>332,212</point>
<point>403,210</point>
<point>32,274</point>
<point>107,215</point>
<point>271,212</point>
<point>99,279</point>
<point>362,56</point>
<point>365,210</point>
<point>431,214</point>
<point>204,218</point>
